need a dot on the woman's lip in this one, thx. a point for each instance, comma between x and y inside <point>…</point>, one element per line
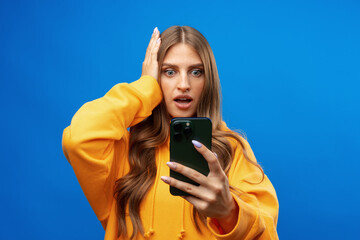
<point>185,96</point>
<point>183,106</point>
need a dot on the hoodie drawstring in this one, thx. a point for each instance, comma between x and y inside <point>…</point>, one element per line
<point>181,235</point>
<point>151,231</point>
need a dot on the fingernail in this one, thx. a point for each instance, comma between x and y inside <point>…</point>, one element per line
<point>215,155</point>
<point>157,41</point>
<point>165,179</point>
<point>156,30</point>
<point>196,143</point>
<point>171,165</point>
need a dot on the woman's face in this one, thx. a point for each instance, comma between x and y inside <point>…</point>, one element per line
<point>182,80</point>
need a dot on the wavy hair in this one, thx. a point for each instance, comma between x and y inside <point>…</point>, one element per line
<point>152,132</point>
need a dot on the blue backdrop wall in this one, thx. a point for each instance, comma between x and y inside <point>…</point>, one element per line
<point>290,78</point>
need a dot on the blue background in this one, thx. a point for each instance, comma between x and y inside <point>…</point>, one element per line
<point>290,77</point>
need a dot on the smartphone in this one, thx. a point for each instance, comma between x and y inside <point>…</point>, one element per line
<point>182,132</point>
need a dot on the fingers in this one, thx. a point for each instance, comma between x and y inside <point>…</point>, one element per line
<point>188,172</point>
<point>184,186</point>
<point>210,157</point>
<point>152,40</point>
<point>155,50</point>
<point>150,64</point>
<point>153,45</point>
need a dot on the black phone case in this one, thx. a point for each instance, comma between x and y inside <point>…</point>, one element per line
<point>182,132</point>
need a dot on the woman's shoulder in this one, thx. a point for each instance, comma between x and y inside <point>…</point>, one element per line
<point>235,136</point>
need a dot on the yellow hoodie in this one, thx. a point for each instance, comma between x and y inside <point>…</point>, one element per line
<point>96,145</point>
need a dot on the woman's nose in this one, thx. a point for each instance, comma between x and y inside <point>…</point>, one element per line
<point>184,82</point>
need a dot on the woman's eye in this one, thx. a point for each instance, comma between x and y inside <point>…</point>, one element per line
<point>169,72</point>
<point>197,72</point>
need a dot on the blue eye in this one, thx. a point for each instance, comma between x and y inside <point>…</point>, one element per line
<point>169,72</point>
<point>197,72</point>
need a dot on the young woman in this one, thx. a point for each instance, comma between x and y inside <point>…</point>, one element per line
<point>125,174</point>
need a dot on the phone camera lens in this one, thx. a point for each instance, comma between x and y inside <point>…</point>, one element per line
<point>177,136</point>
<point>177,127</point>
<point>187,132</point>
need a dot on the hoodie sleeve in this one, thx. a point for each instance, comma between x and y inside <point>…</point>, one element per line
<point>256,198</point>
<point>88,143</point>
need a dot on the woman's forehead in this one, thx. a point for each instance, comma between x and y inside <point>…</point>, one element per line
<point>182,54</point>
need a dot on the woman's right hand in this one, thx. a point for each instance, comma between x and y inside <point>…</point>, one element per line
<point>150,65</point>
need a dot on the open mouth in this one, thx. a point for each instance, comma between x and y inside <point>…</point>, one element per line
<point>183,100</point>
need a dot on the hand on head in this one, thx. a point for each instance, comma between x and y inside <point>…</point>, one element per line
<point>150,65</point>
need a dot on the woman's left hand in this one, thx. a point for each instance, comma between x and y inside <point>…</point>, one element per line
<point>212,198</point>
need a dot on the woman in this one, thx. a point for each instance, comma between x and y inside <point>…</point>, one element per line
<point>120,170</point>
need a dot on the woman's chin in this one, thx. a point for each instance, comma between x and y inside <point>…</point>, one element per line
<point>182,114</point>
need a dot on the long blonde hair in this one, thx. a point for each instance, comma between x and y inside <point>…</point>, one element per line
<point>146,136</point>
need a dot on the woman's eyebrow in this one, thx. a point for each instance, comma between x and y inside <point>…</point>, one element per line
<point>174,65</point>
